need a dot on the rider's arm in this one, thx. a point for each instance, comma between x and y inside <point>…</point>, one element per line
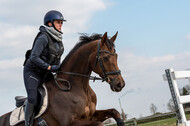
<point>40,44</point>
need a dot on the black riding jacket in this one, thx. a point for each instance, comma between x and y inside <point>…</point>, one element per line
<point>46,51</point>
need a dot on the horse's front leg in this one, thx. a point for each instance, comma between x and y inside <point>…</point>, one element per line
<point>102,115</point>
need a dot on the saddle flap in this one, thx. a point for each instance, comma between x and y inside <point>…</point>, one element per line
<point>17,114</point>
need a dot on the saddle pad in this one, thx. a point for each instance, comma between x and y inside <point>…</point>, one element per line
<point>17,114</point>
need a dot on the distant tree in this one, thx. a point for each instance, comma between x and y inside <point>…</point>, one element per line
<point>140,115</point>
<point>153,108</point>
<point>170,105</point>
<point>187,87</point>
<point>185,92</point>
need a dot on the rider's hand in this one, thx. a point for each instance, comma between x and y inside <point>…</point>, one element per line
<point>54,68</point>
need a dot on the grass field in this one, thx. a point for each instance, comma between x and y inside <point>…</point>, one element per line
<point>165,122</point>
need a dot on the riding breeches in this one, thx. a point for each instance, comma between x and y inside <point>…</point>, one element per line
<point>32,81</point>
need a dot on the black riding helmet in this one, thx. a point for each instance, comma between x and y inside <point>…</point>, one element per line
<point>51,16</point>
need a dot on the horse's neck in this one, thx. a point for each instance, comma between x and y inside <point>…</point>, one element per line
<point>79,61</point>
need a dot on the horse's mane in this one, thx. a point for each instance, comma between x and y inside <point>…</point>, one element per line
<point>84,39</point>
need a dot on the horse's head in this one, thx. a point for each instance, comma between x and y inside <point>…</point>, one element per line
<point>105,63</point>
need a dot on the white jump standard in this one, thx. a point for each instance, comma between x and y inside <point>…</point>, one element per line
<point>171,76</point>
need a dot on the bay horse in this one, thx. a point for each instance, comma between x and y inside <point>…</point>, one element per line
<point>73,102</point>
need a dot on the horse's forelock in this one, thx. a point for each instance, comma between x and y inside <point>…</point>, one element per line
<point>110,44</point>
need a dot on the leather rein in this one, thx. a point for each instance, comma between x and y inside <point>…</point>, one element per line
<point>98,60</point>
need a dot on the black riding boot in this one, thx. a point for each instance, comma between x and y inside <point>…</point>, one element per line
<point>29,114</point>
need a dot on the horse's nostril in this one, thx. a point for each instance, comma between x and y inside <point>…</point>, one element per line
<point>119,85</point>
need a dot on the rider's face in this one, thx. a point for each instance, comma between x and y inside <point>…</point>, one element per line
<point>58,24</point>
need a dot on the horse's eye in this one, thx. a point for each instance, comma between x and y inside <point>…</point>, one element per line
<point>106,59</point>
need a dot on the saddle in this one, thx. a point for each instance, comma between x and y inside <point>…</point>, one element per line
<point>17,115</point>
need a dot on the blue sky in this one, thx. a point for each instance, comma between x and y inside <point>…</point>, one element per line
<point>148,27</point>
<point>153,35</point>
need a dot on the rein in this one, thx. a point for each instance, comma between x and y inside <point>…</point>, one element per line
<point>75,74</point>
<point>98,59</point>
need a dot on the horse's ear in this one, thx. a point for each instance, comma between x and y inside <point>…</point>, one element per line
<point>104,38</point>
<point>114,37</point>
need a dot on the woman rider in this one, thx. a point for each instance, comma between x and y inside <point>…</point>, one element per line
<point>45,57</point>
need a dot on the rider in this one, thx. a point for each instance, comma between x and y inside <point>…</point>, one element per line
<point>44,58</point>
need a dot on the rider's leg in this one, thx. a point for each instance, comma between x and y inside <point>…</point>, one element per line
<point>29,114</point>
<point>32,81</point>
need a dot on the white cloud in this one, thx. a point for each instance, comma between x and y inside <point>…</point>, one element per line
<point>12,35</point>
<point>19,22</point>
<point>77,13</point>
<point>12,63</point>
<point>147,67</point>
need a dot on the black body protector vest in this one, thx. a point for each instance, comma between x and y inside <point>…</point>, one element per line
<point>54,55</point>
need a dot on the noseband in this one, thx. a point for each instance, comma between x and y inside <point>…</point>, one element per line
<point>98,59</point>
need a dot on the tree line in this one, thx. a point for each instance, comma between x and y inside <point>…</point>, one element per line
<point>170,105</point>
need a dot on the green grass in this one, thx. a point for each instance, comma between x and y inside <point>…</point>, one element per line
<point>165,122</point>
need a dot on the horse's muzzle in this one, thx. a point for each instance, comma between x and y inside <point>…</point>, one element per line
<point>117,84</point>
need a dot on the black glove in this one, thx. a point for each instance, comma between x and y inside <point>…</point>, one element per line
<point>54,68</point>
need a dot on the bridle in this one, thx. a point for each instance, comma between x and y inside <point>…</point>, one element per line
<point>98,60</point>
